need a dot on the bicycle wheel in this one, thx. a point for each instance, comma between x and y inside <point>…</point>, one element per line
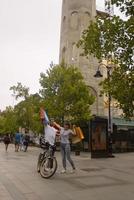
<point>48,167</point>
<point>39,162</point>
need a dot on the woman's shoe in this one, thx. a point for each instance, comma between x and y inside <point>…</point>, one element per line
<point>73,171</point>
<point>63,171</point>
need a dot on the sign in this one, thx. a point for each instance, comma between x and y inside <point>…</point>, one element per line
<point>99,138</point>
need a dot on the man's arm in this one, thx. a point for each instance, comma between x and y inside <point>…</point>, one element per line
<point>56,125</point>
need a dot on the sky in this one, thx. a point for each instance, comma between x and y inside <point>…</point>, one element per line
<point>29,41</point>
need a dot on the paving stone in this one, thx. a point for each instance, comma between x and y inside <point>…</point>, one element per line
<point>96,179</point>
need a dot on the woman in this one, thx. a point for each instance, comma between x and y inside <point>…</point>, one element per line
<point>6,141</point>
<point>65,146</point>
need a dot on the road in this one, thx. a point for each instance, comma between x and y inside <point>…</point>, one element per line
<point>96,179</point>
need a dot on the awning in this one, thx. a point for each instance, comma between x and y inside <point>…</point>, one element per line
<point>123,122</point>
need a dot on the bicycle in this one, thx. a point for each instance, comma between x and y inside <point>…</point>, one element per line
<point>47,163</point>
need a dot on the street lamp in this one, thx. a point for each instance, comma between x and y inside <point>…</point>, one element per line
<point>99,75</point>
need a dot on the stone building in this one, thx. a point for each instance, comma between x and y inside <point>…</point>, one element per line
<point>76,16</point>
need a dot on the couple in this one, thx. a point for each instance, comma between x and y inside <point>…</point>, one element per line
<point>65,132</point>
<point>22,141</point>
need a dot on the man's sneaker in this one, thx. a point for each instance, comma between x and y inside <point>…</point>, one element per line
<point>63,171</point>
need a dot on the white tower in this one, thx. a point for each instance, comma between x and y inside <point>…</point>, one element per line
<point>76,16</point>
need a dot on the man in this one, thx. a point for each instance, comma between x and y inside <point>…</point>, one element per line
<point>6,141</point>
<point>50,134</point>
<point>17,141</point>
<point>26,140</point>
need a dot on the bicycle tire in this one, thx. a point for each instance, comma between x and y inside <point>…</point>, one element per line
<point>46,175</point>
<point>39,163</point>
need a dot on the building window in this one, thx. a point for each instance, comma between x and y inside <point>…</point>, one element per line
<point>74,19</point>
<point>64,22</point>
<point>87,13</point>
<point>64,19</point>
<point>74,52</point>
<point>86,19</point>
<point>64,53</point>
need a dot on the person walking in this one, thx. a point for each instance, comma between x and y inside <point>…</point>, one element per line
<point>26,141</point>
<point>7,141</point>
<point>17,141</point>
<point>21,142</point>
<point>65,133</point>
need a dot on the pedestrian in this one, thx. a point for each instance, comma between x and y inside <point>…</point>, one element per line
<point>7,141</point>
<point>110,147</point>
<point>22,142</point>
<point>17,141</point>
<point>26,141</point>
<point>65,133</point>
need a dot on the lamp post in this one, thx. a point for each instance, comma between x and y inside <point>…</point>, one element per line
<point>99,75</point>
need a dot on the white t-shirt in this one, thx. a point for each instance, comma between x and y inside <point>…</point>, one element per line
<point>64,135</point>
<point>50,134</point>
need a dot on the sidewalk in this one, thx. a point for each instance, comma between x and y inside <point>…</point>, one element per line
<point>102,179</point>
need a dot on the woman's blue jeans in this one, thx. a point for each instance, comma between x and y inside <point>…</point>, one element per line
<point>66,155</point>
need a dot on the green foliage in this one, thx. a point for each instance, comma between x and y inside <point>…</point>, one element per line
<point>112,36</point>
<point>122,89</point>
<point>64,94</point>
<point>2,123</point>
<point>8,121</point>
<point>126,6</point>
<point>27,113</point>
<point>20,91</point>
<point>66,97</point>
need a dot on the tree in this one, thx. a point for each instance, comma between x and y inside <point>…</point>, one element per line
<point>66,97</point>
<point>112,35</point>
<point>126,6</point>
<point>2,123</point>
<point>8,121</point>
<point>27,110</point>
<point>20,91</point>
